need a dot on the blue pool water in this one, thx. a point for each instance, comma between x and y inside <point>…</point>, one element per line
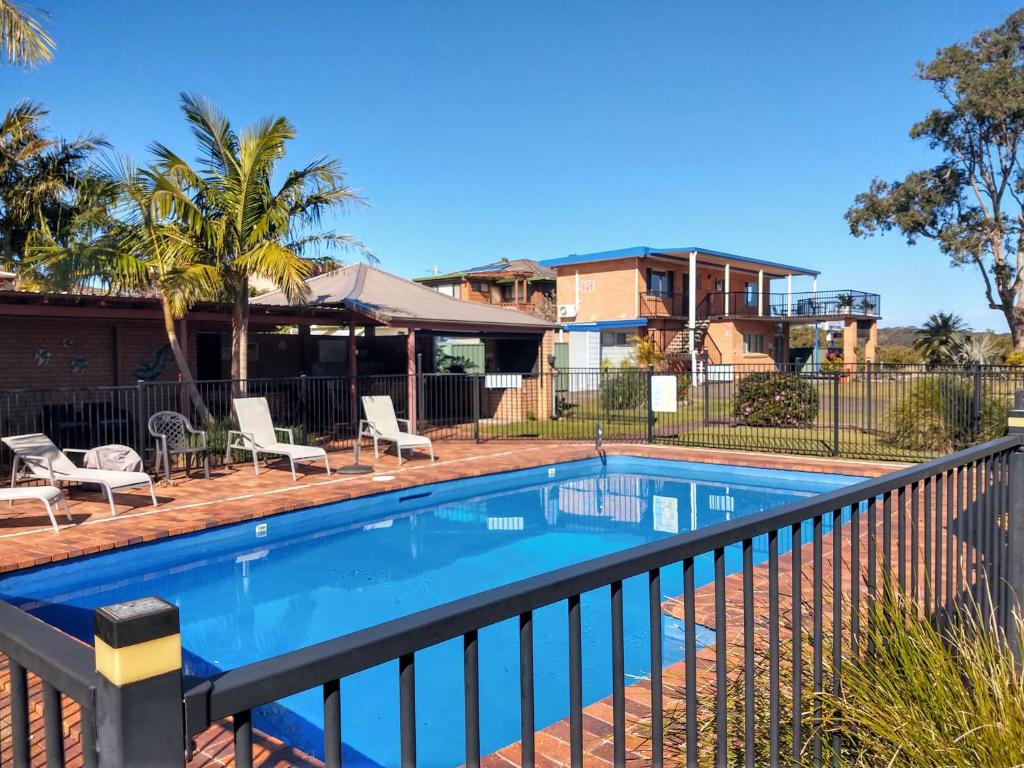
<point>253,590</point>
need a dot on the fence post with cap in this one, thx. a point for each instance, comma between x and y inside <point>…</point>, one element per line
<point>139,718</point>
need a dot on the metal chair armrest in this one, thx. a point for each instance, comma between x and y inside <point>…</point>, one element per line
<point>287,431</point>
<point>408,424</point>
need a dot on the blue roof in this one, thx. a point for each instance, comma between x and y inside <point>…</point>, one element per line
<point>597,325</point>
<point>643,250</point>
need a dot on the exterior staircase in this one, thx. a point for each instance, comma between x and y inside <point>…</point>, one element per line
<point>680,344</point>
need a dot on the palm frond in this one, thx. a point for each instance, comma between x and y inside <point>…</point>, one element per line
<point>23,41</point>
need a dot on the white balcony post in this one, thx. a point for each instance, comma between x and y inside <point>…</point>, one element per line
<point>760,293</point>
<point>692,308</point>
<point>727,289</point>
<point>789,294</point>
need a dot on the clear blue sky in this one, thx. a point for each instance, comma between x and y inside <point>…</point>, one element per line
<point>538,128</point>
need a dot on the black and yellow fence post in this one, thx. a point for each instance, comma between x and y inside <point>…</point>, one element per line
<point>138,693</point>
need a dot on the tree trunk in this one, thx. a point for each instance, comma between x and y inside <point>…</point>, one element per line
<point>1015,320</point>
<point>240,337</point>
<point>182,362</point>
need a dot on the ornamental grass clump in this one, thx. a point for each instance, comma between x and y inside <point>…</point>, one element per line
<point>911,697</point>
<point>768,399</point>
<point>925,698</point>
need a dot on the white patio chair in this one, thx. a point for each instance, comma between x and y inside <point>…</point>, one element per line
<point>172,431</point>
<point>256,433</point>
<point>48,494</point>
<point>45,461</point>
<point>381,423</point>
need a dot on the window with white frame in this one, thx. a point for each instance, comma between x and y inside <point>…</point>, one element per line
<point>448,289</point>
<point>617,338</point>
<point>753,343</point>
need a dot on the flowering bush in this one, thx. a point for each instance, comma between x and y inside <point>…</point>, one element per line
<point>770,399</point>
<point>833,362</point>
<point>1015,358</point>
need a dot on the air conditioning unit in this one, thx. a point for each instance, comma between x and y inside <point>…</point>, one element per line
<point>566,310</point>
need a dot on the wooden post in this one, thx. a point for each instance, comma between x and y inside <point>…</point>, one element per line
<point>410,378</point>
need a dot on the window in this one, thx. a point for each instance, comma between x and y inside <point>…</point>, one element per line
<point>448,289</point>
<point>753,343</point>
<point>480,286</point>
<point>750,294</point>
<point>659,283</point>
<point>616,338</point>
<point>508,292</point>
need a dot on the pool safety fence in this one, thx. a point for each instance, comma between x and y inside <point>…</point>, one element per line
<point>948,532</point>
<point>869,411</point>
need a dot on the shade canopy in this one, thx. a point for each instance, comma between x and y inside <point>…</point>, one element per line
<point>395,301</point>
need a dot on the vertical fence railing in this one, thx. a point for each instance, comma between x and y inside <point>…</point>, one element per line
<point>869,411</point>
<point>940,532</point>
<point>948,533</point>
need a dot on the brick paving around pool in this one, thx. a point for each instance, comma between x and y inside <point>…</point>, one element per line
<point>237,494</point>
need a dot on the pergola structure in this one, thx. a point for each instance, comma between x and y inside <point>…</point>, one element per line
<point>375,298</point>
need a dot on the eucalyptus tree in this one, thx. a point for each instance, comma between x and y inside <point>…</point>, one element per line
<point>248,227</point>
<point>971,202</point>
<point>23,41</point>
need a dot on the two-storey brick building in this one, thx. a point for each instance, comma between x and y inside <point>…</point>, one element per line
<point>521,284</point>
<point>700,304</point>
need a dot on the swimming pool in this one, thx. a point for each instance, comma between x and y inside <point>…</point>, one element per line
<point>257,589</point>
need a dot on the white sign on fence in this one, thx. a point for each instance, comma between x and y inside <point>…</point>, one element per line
<point>664,394</point>
<point>503,381</point>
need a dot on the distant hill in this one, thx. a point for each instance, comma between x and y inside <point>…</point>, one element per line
<point>904,335</point>
<point>897,336</point>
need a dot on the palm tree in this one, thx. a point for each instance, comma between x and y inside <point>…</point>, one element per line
<point>140,249</point>
<point>938,338</point>
<point>23,42</point>
<point>45,182</point>
<point>976,349</point>
<point>247,228</point>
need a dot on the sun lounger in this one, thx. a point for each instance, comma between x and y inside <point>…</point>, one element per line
<point>42,459</point>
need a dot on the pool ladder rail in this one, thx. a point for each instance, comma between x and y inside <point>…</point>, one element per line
<point>599,441</point>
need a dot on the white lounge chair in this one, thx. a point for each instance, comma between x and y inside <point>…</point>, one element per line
<point>45,461</point>
<point>382,424</point>
<point>48,494</point>
<point>256,432</point>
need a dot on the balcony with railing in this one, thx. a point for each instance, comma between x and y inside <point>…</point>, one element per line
<point>808,305</point>
<point>663,304</point>
<point>805,306</point>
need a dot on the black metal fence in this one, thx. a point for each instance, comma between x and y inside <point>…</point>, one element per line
<point>945,531</point>
<point>949,532</point>
<point>867,411</point>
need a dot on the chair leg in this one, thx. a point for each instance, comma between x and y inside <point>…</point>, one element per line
<point>167,468</point>
<point>110,498</point>
<point>152,492</point>
<point>327,463</point>
<point>67,509</point>
<point>255,461</point>
<point>431,447</point>
<point>291,461</point>
<point>206,464</point>
<point>49,511</point>
<point>398,450</point>
<point>376,450</point>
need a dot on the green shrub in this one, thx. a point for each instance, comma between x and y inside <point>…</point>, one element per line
<point>937,415</point>
<point>623,388</point>
<point>769,399</point>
